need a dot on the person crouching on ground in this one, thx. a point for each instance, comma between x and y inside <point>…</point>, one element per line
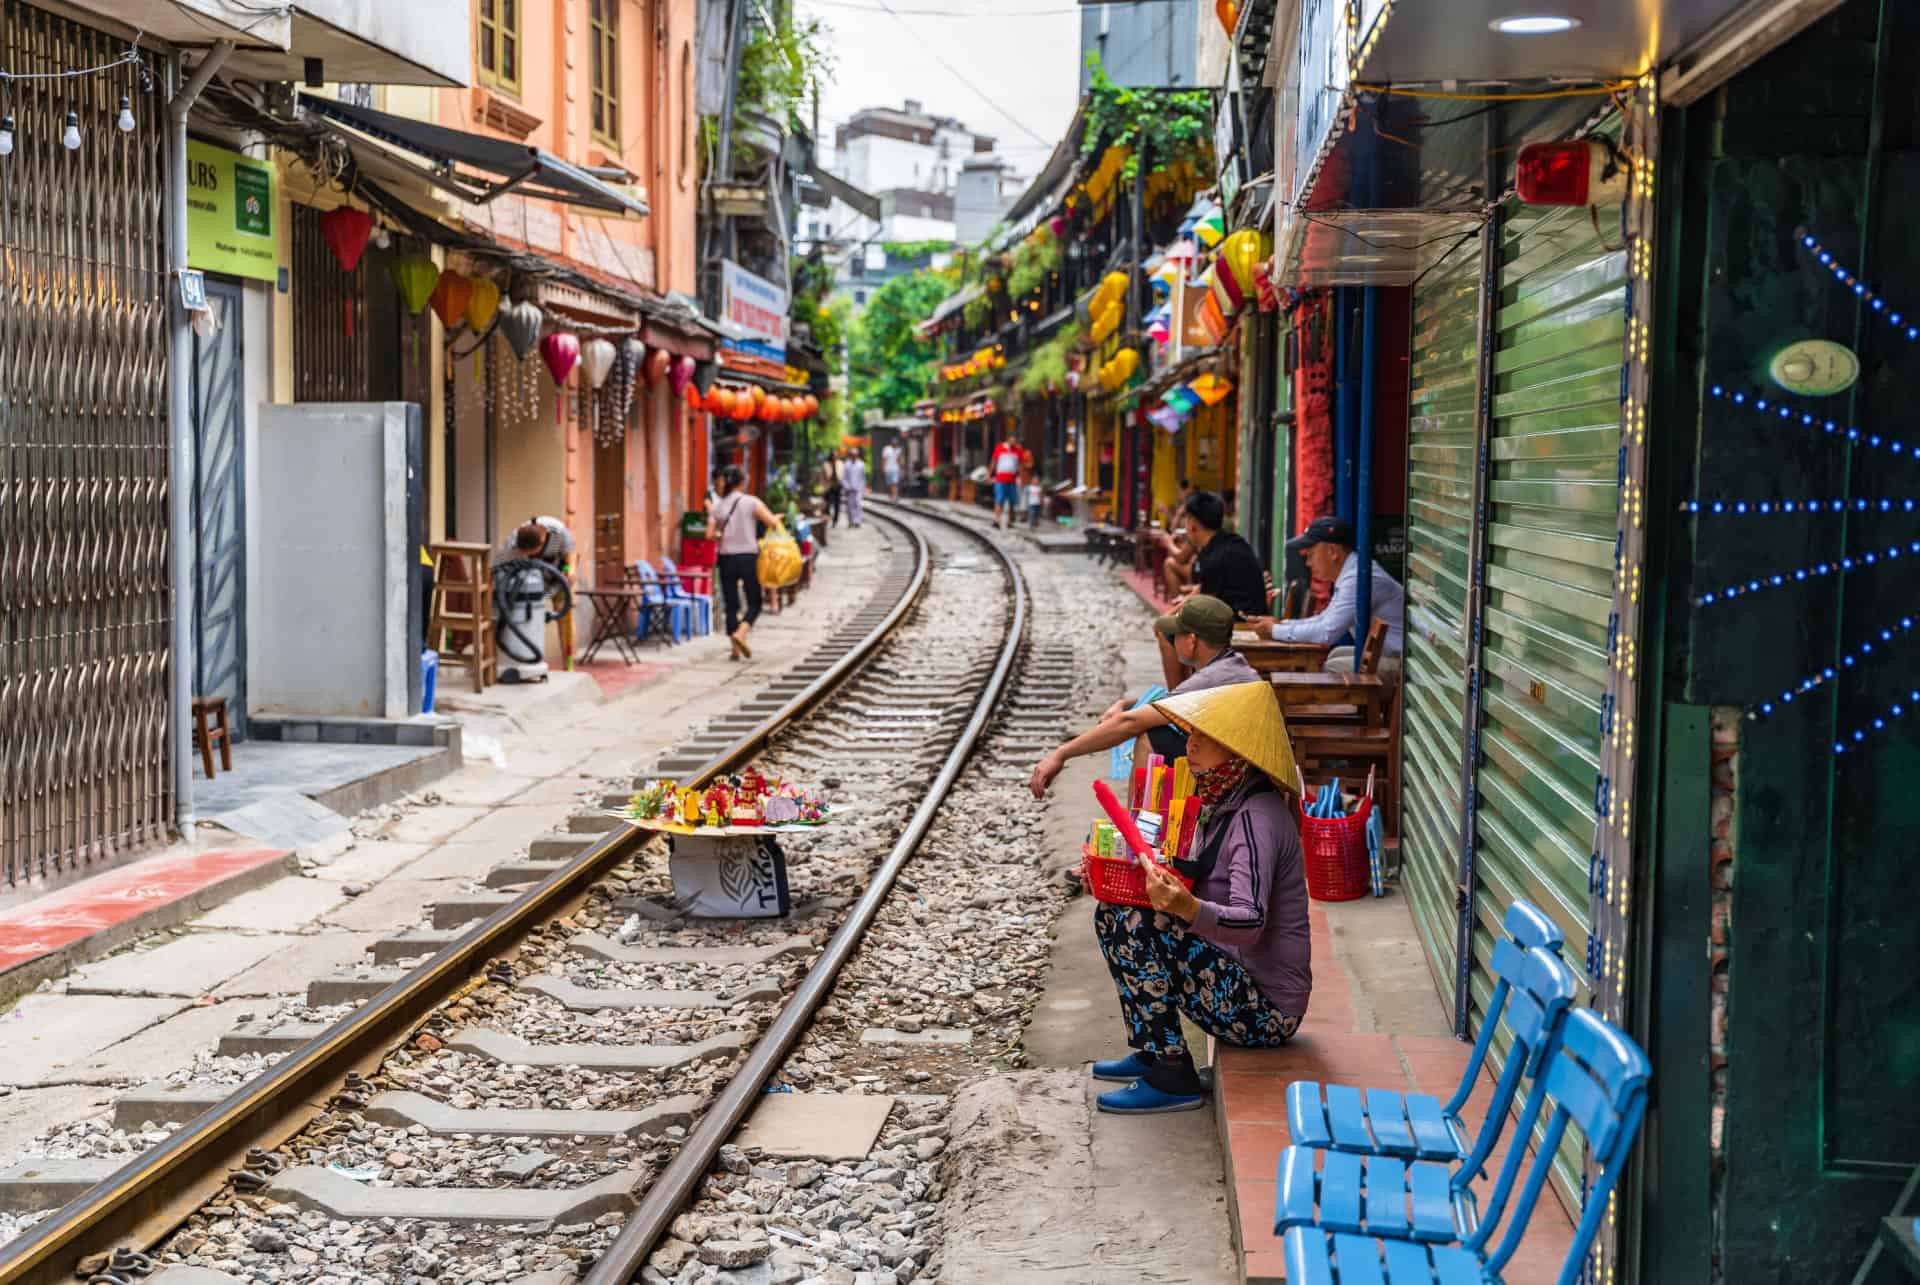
<point>1234,953</point>
<point>731,520</point>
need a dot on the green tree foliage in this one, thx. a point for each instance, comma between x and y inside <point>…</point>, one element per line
<point>779,67</point>
<point>890,363</point>
<point>1177,124</point>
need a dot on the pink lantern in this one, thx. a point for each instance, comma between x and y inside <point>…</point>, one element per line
<point>681,376</point>
<point>561,351</point>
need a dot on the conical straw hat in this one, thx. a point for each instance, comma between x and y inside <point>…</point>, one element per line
<point>1244,717</point>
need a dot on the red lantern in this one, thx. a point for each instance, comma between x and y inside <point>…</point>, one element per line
<point>813,405</point>
<point>694,400</point>
<point>657,363</point>
<point>719,401</point>
<point>767,411</point>
<point>345,230</point>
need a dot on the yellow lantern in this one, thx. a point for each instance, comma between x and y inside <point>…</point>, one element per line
<point>1233,284</point>
<point>482,304</point>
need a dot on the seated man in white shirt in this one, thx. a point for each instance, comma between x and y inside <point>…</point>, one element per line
<point>1327,546</point>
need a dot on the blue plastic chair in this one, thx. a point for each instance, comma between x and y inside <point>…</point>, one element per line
<point>1597,1078</point>
<point>1417,1126</point>
<point>1387,1195</point>
<point>698,605</point>
<point>658,613</point>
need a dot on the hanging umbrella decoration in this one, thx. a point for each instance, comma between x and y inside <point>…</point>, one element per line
<point>521,323</point>
<point>561,351</point>
<point>345,230</point>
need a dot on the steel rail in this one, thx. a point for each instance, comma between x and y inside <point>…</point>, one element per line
<point>623,1259</point>
<point>153,1193</point>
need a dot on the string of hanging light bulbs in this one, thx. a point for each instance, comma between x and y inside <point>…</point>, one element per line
<point>70,133</point>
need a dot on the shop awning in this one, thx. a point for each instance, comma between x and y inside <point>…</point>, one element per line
<point>474,167</point>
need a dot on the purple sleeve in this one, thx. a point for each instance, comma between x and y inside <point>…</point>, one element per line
<point>1248,851</point>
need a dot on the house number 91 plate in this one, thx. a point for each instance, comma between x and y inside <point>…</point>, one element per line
<point>1814,368</point>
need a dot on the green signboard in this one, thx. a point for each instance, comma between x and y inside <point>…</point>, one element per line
<point>230,206</point>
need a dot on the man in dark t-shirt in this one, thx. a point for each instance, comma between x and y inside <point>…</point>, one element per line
<point>1226,568</point>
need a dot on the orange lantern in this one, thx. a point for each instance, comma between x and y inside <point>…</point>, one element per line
<point>721,399</point>
<point>813,404</point>
<point>657,363</point>
<point>694,401</point>
<point>757,396</point>
<point>449,298</point>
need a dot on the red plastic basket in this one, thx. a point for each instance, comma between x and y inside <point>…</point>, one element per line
<point>698,552</point>
<point>1118,880</point>
<point>1335,851</point>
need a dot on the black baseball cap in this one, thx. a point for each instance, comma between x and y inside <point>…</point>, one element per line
<point>1323,531</point>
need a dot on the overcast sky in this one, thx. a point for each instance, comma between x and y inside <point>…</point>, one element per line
<point>998,65</point>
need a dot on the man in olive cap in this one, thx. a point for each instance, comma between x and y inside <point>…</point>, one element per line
<point>1200,632</point>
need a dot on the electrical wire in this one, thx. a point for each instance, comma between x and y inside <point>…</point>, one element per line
<point>953,13</point>
<point>957,75</point>
<point>1603,89</point>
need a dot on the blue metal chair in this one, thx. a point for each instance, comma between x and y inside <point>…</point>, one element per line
<point>698,605</point>
<point>1597,1078</point>
<point>1388,1195</point>
<point>658,614</point>
<point>1417,1126</point>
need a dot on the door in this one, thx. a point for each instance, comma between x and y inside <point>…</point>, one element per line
<point>609,510</point>
<point>219,509</point>
<point>1442,438</point>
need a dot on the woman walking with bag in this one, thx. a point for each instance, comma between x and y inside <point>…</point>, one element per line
<point>730,520</point>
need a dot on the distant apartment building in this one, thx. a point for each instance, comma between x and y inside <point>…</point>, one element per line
<point>937,181</point>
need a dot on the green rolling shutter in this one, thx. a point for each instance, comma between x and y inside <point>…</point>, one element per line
<point>1560,320</point>
<point>1441,450</point>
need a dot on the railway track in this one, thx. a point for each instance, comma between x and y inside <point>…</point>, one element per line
<point>576,1011</point>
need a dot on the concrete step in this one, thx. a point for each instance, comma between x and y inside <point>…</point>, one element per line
<point>402,1110</point>
<point>587,999</point>
<point>514,1051</point>
<point>34,1185</point>
<point>717,957</point>
<point>311,1187</point>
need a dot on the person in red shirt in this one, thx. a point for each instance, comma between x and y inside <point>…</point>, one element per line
<point>1009,458</point>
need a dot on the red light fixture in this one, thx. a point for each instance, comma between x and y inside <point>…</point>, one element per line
<point>1582,172</point>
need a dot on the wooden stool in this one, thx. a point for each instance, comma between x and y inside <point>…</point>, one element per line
<point>462,628</point>
<point>206,735</point>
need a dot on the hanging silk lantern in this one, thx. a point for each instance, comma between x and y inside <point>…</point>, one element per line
<point>694,400</point>
<point>768,411</point>
<point>561,351</point>
<point>483,301</point>
<point>1234,267</point>
<point>451,294</point>
<point>813,405</point>
<point>681,376</point>
<point>596,358</point>
<point>720,401</point>
<point>521,323</point>
<point>659,362</point>
<point>345,230</point>
<point>756,397</point>
<point>415,276</point>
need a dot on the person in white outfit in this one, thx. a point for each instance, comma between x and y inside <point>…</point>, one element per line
<point>853,478</point>
<point>890,468</point>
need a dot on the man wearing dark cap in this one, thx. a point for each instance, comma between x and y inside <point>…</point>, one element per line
<point>1200,633</point>
<point>1224,567</point>
<point>1327,547</point>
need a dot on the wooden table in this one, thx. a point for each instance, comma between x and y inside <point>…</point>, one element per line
<point>1269,657</point>
<point>613,622</point>
<point>1371,694</point>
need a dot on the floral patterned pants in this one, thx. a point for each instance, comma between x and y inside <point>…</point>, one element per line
<point>1162,970</point>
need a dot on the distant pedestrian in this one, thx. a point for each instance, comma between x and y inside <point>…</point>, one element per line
<point>1036,500</point>
<point>890,468</point>
<point>853,476</point>
<point>1009,458</point>
<point>830,487</point>
<point>730,519</point>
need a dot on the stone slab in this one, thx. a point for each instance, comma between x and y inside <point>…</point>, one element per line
<point>287,906</point>
<point>268,1039</point>
<point>944,1036</point>
<point>452,909</point>
<point>171,1043</point>
<point>311,1187</point>
<point>47,1032</point>
<point>26,1114</point>
<point>391,904</point>
<point>304,958</point>
<point>371,860</point>
<point>717,957</point>
<point>514,1051</point>
<point>163,1103</point>
<point>33,1185</point>
<point>403,1109</point>
<point>289,819</point>
<point>815,1126</point>
<point>351,988</point>
<point>587,999</point>
<point>192,1276</point>
<point>480,785</point>
<point>515,874</point>
<point>416,944</point>
<point>560,844</point>
<point>508,829</point>
<point>431,825</point>
<point>190,965</point>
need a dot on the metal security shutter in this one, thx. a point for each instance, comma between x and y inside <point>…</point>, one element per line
<point>1553,475</point>
<point>1441,436</point>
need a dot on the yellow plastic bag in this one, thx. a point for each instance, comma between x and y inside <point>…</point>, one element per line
<point>779,560</point>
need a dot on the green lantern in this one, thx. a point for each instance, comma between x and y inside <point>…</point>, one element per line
<point>415,275</point>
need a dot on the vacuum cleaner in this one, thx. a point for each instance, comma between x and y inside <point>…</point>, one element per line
<point>524,593</point>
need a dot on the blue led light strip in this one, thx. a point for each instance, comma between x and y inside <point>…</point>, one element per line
<point>1780,508</point>
<point>1840,566</point>
<point>1777,409</point>
<point>1898,709</point>
<point>1846,278</point>
<point>1847,661</point>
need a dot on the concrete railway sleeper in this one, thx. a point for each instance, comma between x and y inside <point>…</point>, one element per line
<point>647,1018</point>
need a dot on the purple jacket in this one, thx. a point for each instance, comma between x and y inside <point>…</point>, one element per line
<point>1253,903</point>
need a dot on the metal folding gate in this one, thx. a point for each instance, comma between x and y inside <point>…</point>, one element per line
<point>84,589</point>
<point>1442,460</point>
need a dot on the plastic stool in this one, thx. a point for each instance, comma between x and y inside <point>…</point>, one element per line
<point>429,679</point>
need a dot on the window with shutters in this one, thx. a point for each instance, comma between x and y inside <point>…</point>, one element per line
<point>604,79</point>
<point>498,56</point>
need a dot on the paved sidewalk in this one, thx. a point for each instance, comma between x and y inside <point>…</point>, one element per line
<point>532,755</point>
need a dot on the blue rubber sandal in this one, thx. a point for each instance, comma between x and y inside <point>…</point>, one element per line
<point>1123,1069</point>
<point>1141,1098</point>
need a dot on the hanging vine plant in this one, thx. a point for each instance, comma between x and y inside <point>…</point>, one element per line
<point>1033,259</point>
<point>1177,125</point>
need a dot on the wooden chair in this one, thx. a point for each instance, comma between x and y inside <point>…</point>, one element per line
<point>210,729</point>
<point>462,628</point>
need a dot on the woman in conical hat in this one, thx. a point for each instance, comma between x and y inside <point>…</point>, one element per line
<point>1233,954</point>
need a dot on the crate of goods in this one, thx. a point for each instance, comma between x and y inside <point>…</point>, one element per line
<point>1158,824</point>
